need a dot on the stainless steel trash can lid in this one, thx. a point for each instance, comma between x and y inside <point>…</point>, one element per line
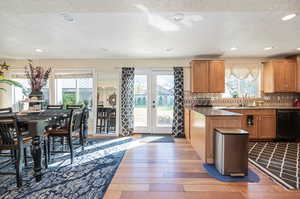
<point>231,131</point>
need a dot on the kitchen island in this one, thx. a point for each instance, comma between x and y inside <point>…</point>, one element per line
<point>202,123</point>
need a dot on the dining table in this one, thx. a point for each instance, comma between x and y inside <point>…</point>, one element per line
<point>36,124</point>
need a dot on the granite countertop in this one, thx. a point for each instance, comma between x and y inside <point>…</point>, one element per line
<point>257,107</point>
<point>211,111</point>
<point>225,111</point>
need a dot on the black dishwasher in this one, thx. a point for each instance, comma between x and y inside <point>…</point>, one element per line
<point>288,124</point>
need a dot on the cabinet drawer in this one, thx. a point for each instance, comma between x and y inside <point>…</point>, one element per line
<point>259,112</point>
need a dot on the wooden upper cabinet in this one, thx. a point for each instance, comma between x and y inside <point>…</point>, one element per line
<point>207,76</point>
<point>279,76</point>
<point>199,76</point>
<point>216,77</point>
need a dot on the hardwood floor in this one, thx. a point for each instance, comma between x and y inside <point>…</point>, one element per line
<point>173,170</point>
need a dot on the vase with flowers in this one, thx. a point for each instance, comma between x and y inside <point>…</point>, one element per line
<point>38,77</point>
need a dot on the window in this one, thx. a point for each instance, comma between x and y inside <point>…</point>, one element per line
<point>18,95</point>
<point>74,91</point>
<point>241,81</point>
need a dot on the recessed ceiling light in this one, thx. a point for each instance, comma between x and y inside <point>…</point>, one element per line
<point>178,17</point>
<point>196,18</point>
<point>38,50</point>
<point>169,49</point>
<point>298,48</point>
<point>104,49</point>
<point>233,48</point>
<point>67,17</point>
<point>288,17</point>
<point>268,48</point>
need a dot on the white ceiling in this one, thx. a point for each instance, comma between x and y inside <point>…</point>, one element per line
<point>146,28</point>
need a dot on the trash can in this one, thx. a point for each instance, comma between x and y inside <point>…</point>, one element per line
<point>231,151</point>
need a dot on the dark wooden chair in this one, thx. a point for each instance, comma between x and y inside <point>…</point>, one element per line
<point>106,119</point>
<point>5,110</point>
<point>12,139</point>
<point>55,107</point>
<point>74,126</point>
<point>74,106</point>
<point>112,120</point>
<point>84,127</point>
<point>57,124</point>
<point>102,118</point>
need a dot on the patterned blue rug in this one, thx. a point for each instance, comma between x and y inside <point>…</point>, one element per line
<point>88,176</point>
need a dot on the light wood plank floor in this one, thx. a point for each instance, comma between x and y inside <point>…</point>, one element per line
<point>173,170</point>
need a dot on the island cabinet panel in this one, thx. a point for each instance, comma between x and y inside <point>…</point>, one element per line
<point>279,76</point>
<point>218,122</point>
<point>207,76</point>
<point>187,124</point>
<point>198,133</point>
<point>202,132</point>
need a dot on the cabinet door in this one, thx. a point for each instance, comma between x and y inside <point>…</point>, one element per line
<point>280,82</point>
<point>252,129</point>
<point>267,127</point>
<point>285,75</point>
<point>199,76</point>
<point>187,124</point>
<point>290,75</point>
<point>216,77</point>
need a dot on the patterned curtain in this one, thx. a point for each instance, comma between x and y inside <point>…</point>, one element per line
<point>178,112</point>
<point>127,101</point>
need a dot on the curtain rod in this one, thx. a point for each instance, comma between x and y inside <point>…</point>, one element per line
<point>142,67</point>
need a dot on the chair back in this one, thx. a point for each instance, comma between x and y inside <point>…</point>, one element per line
<point>55,107</point>
<point>5,110</point>
<point>103,112</point>
<point>75,121</point>
<point>9,130</point>
<point>74,106</point>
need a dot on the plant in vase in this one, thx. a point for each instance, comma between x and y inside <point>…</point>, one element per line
<point>38,77</point>
<point>3,80</point>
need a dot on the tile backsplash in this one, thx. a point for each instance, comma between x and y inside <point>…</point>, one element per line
<point>216,99</point>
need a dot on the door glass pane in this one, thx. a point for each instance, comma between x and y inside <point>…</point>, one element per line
<point>140,96</point>
<point>66,91</point>
<point>164,100</point>
<point>74,91</point>
<point>85,95</point>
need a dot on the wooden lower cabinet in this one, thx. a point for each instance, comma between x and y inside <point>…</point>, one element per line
<point>267,127</point>
<point>263,123</point>
<point>253,129</point>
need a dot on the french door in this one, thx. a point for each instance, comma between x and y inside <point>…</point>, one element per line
<point>154,99</point>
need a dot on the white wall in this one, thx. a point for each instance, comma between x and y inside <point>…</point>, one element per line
<point>105,65</point>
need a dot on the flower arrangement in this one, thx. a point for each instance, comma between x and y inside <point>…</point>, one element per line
<point>37,76</point>
<point>4,67</point>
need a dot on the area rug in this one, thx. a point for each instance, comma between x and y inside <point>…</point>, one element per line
<point>279,160</point>
<point>88,176</point>
<point>213,172</point>
<point>158,138</point>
